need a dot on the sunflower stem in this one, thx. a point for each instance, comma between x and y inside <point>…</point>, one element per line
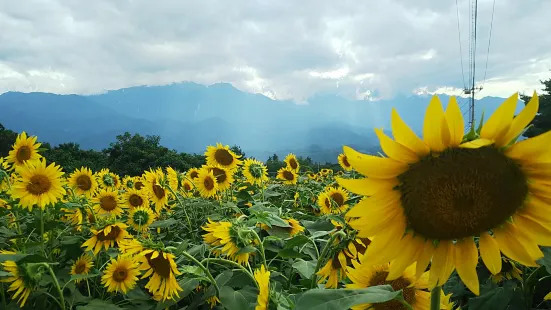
<point>405,303</point>
<point>61,300</point>
<point>42,230</point>
<point>183,207</point>
<point>3,296</point>
<point>435,298</point>
<point>261,247</point>
<point>205,270</point>
<point>326,249</point>
<point>229,262</point>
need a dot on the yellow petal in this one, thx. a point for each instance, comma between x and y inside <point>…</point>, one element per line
<point>367,186</point>
<point>382,200</point>
<point>374,166</point>
<point>407,256</point>
<point>532,150</point>
<point>475,144</point>
<point>455,122</point>
<point>433,126</point>
<point>523,119</point>
<point>513,244</point>
<point>537,210</point>
<point>541,234</point>
<point>383,246</point>
<point>489,251</point>
<point>498,124</point>
<point>547,297</point>
<point>395,150</point>
<point>442,264</point>
<point>466,259</point>
<point>424,258</point>
<point>375,219</point>
<point>404,135</point>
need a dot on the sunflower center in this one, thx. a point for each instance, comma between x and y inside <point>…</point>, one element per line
<point>208,183</point>
<point>345,161</point>
<point>223,157</point>
<point>461,193</point>
<point>138,185</point>
<point>23,153</point>
<point>379,278</point>
<point>140,217</point>
<point>135,200</point>
<point>158,191</point>
<point>112,235</point>
<point>288,175</point>
<point>219,174</point>
<point>84,183</point>
<point>194,174</point>
<point>187,187</point>
<point>39,184</point>
<point>120,274</point>
<point>108,203</point>
<point>256,171</point>
<point>160,265</point>
<point>338,198</point>
<point>293,163</point>
<point>80,267</point>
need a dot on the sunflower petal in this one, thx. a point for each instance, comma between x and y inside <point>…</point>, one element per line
<point>517,247</point>
<point>489,251</point>
<point>533,150</point>
<point>424,258</point>
<point>498,124</point>
<point>475,144</point>
<point>541,234</point>
<point>374,166</point>
<point>404,135</point>
<point>367,186</point>
<point>520,122</point>
<point>395,150</point>
<point>383,247</point>
<point>407,256</point>
<point>442,264</point>
<point>386,216</point>
<point>466,259</point>
<point>433,127</point>
<point>455,122</point>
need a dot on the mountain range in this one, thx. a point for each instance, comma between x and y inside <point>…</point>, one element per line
<point>190,116</point>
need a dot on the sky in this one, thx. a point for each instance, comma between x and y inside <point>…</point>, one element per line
<point>283,49</point>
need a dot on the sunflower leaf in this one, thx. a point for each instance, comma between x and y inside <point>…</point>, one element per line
<point>4,274</point>
<point>98,304</point>
<point>164,223</point>
<point>233,300</point>
<point>84,276</point>
<point>338,299</point>
<point>305,268</point>
<point>546,260</point>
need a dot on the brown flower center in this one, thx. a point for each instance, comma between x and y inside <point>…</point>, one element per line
<point>80,267</point>
<point>158,191</point>
<point>193,174</point>
<point>462,192</point>
<point>112,235</point>
<point>379,278</point>
<point>338,198</point>
<point>220,175</point>
<point>223,157</point>
<point>138,185</point>
<point>120,274</point>
<point>288,175</point>
<point>293,164</point>
<point>208,183</point>
<point>23,153</point>
<point>39,184</point>
<point>84,183</point>
<point>187,187</point>
<point>135,200</point>
<point>108,203</point>
<point>160,265</point>
<point>345,161</point>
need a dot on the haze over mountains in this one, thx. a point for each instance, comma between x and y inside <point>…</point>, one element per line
<point>190,116</point>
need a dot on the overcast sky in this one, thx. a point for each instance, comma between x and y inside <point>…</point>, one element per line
<point>284,49</point>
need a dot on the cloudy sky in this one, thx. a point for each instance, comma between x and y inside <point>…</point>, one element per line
<point>284,49</point>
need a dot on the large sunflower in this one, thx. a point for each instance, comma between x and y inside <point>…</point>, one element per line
<point>108,203</point>
<point>333,201</point>
<point>134,198</point>
<point>292,162</point>
<point>24,149</point>
<point>158,194</point>
<point>82,266</point>
<point>106,237</point>
<point>262,277</point>
<point>121,274</point>
<point>227,236</point>
<point>343,161</point>
<point>414,290</point>
<point>287,175</point>
<point>162,270</point>
<point>206,183</point>
<point>222,156</point>
<point>224,177</point>
<point>140,218</point>
<point>334,270</point>
<point>23,280</point>
<point>83,182</point>
<point>430,198</point>
<point>73,216</point>
<point>39,184</point>
<point>255,171</point>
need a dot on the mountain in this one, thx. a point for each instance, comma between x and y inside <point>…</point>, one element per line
<point>190,116</point>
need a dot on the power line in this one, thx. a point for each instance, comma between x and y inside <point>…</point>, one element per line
<point>460,49</point>
<point>489,42</point>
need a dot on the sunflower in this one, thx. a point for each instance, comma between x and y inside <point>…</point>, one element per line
<point>206,183</point>
<point>187,188</point>
<point>158,194</point>
<point>262,277</point>
<point>4,204</point>
<point>138,183</point>
<point>295,228</point>
<point>227,236</point>
<point>134,198</point>
<point>508,271</point>
<point>192,173</point>
<point>73,217</point>
<point>312,176</point>
<point>292,162</point>
<point>128,182</point>
<point>222,156</point>
<point>430,198</point>
<point>173,178</point>
<point>162,270</point>
<point>414,290</point>
<point>108,203</point>
<point>82,265</point>
<point>255,172</point>
<point>334,270</point>
<point>121,274</point>
<point>83,181</point>
<point>288,175</point>
<point>140,218</point>
<point>23,278</point>
<point>24,149</point>
<point>343,161</point>
<point>224,177</point>
<point>107,237</point>
<point>333,200</point>
<point>38,185</point>
<point>108,179</point>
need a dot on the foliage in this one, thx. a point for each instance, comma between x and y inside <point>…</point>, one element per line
<point>542,121</point>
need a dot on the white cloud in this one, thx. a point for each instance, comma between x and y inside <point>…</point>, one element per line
<point>368,49</point>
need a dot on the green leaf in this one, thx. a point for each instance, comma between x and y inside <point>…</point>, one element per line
<point>277,221</point>
<point>164,223</point>
<point>187,285</point>
<point>23,258</point>
<point>289,253</point>
<point>98,304</point>
<point>4,274</point>
<point>71,240</point>
<point>247,249</point>
<point>305,268</point>
<point>339,299</point>
<point>192,270</point>
<point>297,240</point>
<point>233,300</point>
<point>223,278</point>
<point>546,260</point>
<point>84,276</point>
<point>318,228</point>
<point>497,299</point>
<point>12,257</point>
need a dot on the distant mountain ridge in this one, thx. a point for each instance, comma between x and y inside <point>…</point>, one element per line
<point>190,116</point>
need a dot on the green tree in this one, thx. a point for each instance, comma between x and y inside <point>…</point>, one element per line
<point>70,157</point>
<point>7,139</point>
<point>237,150</point>
<point>542,121</point>
<point>274,164</point>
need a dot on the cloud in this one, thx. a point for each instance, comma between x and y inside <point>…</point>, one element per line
<point>278,48</point>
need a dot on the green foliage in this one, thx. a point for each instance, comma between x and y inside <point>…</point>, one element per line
<point>542,121</point>
<point>7,139</point>
<point>70,156</point>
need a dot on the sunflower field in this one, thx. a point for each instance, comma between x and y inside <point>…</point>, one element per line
<point>453,220</point>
